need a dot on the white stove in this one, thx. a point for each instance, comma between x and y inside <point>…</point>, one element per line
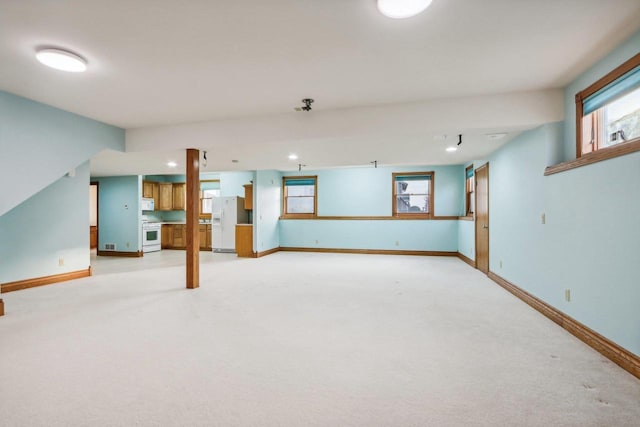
<point>151,236</point>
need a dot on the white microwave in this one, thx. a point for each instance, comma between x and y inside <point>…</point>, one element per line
<point>147,204</point>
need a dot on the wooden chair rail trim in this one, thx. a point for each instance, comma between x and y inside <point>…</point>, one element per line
<point>617,354</point>
<point>621,149</point>
<point>374,218</point>
<point>46,280</point>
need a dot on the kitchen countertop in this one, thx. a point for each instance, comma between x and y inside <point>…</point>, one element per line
<point>175,222</point>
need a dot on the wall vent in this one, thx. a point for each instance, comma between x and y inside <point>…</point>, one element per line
<point>109,246</point>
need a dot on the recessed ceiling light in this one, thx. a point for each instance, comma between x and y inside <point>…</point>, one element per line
<point>62,60</point>
<point>399,9</point>
<point>452,149</point>
<point>495,136</point>
<point>172,164</point>
<point>293,157</point>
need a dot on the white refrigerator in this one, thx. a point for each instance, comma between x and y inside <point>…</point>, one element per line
<point>226,213</point>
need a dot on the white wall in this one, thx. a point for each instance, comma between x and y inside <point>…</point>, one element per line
<point>268,198</point>
<point>51,225</point>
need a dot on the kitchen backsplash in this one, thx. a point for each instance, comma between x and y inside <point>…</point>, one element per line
<point>165,216</point>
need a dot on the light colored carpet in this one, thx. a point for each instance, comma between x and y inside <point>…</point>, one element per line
<point>297,339</point>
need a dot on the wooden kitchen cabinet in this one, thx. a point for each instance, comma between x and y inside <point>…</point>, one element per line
<point>156,196</point>
<point>166,196</point>
<point>179,196</point>
<point>248,197</point>
<point>151,190</point>
<point>147,189</point>
<point>167,236</point>
<point>203,236</point>
<point>244,240</point>
<point>93,237</point>
<point>179,236</point>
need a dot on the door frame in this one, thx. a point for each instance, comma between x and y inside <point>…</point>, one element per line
<point>477,224</point>
<point>97,184</point>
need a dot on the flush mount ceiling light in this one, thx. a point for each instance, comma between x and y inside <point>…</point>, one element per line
<point>62,60</point>
<point>452,149</point>
<point>399,9</point>
<point>293,157</point>
<point>172,164</point>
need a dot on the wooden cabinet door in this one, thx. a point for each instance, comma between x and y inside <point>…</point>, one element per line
<point>167,236</point>
<point>179,236</point>
<point>248,197</point>
<point>244,241</point>
<point>203,236</point>
<point>179,196</point>
<point>166,196</point>
<point>93,237</point>
<point>209,241</point>
<point>147,189</point>
<point>156,196</point>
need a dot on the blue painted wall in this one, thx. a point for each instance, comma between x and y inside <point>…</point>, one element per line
<point>52,224</point>
<point>119,212</point>
<point>370,234</point>
<point>267,197</point>
<point>615,58</point>
<point>467,239</point>
<point>367,192</point>
<point>47,142</point>
<point>231,183</point>
<point>589,242</point>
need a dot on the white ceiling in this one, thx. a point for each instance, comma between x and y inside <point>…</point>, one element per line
<point>161,62</point>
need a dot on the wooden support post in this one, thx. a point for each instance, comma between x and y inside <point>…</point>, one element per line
<point>193,212</point>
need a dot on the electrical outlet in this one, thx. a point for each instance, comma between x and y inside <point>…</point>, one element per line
<point>397,243</point>
<point>60,262</point>
<point>567,295</point>
<point>543,218</point>
<point>500,263</point>
<point>127,244</point>
<point>317,242</point>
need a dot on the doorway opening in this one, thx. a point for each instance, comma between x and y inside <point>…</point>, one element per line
<point>93,217</point>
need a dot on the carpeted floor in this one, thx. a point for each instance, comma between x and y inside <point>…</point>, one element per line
<point>296,339</point>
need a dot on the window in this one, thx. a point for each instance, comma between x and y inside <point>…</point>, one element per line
<point>207,200</point>
<point>469,187</point>
<point>299,196</point>
<point>413,194</point>
<point>609,110</point>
